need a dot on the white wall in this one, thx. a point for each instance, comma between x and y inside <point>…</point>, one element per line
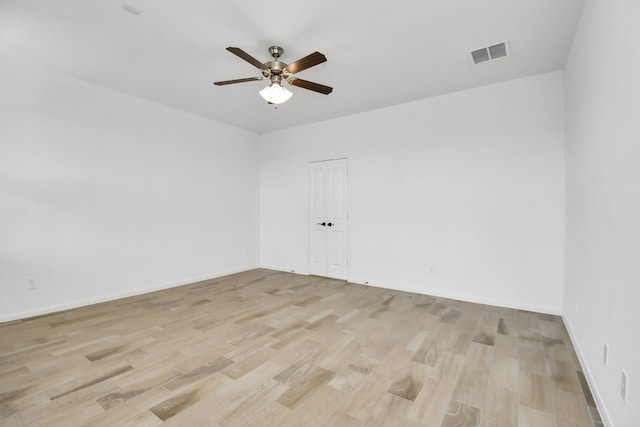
<point>471,183</point>
<point>103,194</point>
<point>603,201</point>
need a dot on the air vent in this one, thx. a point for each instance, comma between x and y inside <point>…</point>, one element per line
<point>484,54</point>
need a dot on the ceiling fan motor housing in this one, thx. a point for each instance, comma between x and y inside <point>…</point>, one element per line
<point>275,67</point>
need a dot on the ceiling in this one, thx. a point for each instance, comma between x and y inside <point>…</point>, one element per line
<point>379,52</point>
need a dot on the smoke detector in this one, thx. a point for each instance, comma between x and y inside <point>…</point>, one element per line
<point>489,53</point>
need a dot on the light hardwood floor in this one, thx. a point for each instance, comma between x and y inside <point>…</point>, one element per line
<point>266,348</point>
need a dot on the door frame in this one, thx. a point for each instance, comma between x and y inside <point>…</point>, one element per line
<point>308,210</point>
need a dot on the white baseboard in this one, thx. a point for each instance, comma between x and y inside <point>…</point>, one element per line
<point>281,268</point>
<point>461,297</point>
<point>606,419</point>
<point>111,297</point>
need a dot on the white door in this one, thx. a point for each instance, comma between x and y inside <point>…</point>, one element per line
<point>328,243</point>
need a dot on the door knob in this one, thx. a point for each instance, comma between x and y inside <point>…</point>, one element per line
<point>322,223</point>
<point>329,224</point>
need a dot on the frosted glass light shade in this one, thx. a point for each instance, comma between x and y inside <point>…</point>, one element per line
<point>275,93</point>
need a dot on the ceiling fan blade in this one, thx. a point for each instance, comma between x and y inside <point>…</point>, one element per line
<point>230,82</point>
<point>250,59</point>
<point>307,62</point>
<point>316,87</point>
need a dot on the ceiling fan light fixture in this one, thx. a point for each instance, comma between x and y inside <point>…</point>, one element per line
<point>275,93</point>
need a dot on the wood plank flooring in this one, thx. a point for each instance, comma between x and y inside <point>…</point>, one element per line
<point>266,348</point>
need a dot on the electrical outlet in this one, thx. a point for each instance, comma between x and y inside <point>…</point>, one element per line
<point>624,386</point>
<point>605,355</point>
<point>31,284</point>
<point>432,269</point>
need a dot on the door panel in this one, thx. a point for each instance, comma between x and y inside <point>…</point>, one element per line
<point>317,215</point>
<point>318,193</point>
<point>337,245</point>
<point>318,252</point>
<point>337,194</point>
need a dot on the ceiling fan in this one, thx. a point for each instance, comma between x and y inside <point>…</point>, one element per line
<point>277,71</point>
